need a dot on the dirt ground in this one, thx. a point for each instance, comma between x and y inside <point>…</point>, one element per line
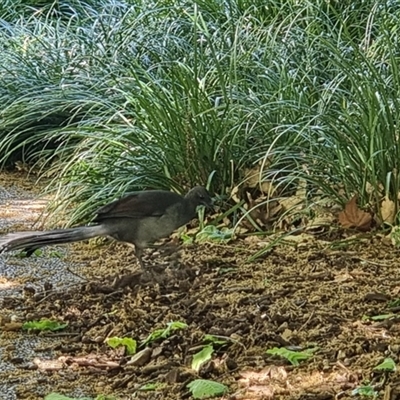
<point>314,294</point>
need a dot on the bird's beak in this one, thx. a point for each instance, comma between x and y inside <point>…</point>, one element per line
<point>209,205</point>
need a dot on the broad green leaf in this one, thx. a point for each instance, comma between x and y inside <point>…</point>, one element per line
<point>128,343</point>
<point>212,233</point>
<point>388,364</point>
<point>164,333</point>
<point>201,388</point>
<point>202,357</point>
<point>44,325</point>
<point>294,357</point>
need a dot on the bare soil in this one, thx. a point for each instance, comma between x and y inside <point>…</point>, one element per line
<point>302,295</point>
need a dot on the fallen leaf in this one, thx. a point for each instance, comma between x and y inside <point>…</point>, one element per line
<point>254,179</point>
<point>388,211</point>
<point>353,217</point>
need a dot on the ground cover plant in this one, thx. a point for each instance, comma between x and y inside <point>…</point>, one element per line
<point>173,94</point>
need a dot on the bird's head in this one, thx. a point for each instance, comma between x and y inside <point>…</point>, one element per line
<point>199,196</point>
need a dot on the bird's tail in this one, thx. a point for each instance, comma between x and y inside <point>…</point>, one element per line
<point>30,241</point>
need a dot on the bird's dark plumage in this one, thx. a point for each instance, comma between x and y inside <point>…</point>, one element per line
<point>138,219</point>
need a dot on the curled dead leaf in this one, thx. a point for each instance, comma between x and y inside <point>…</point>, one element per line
<point>352,217</point>
<point>388,211</point>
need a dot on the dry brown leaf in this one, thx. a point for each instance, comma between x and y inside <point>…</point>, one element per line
<point>292,202</point>
<point>371,189</point>
<point>235,194</point>
<point>353,217</point>
<point>388,211</point>
<point>253,180</point>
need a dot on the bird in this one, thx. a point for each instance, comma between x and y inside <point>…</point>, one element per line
<point>138,219</point>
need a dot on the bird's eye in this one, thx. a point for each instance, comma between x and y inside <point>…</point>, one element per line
<point>201,196</point>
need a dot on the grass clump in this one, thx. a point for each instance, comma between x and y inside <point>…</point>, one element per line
<point>132,95</point>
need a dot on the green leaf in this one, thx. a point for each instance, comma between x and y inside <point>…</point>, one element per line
<point>53,254</point>
<point>164,333</point>
<point>228,270</point>
<point>367,391</point>
<point>150,387</point>
<point>394,303</point>
<point>215,339</point>
<point>129,343</point>
<point>294,357</point>
<point>202,388</point>
<point>212,233</point>
<point>23,254</point>
<point>56,396</point>
<point>186,239</point>
<point>44,325</point>
<point>380,317</point>
<point>388,365</point>
<point>202,357</point>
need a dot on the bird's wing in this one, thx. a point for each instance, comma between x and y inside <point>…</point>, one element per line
<point>151,203</point>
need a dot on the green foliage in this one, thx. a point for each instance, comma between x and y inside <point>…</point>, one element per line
<point>380,317</point>
<point>150,387</point>
<point>24,254</point>
<point>387,365</point>
<point>294,357</point>
<point>44,325</point>
<point>365,391</point>
<point>201,388</point>
<point>217,340</point>
<point>164,333</point>
<point>173,93</point>
<point>394,303</point>
<point>202,357</point>
<point>128,343</point>
<point>213,234</point>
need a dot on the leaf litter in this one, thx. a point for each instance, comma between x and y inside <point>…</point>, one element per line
<point>296,296</point>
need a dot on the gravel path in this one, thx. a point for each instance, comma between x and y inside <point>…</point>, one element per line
<point>19,210</point>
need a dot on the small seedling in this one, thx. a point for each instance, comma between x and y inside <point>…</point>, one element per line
<point>294,357</point>
<point>164,333</point>
<point>201,388</point>
<point>44,325</point>
<point>129,344</point>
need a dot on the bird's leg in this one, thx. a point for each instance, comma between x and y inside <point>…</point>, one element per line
<point>139,253</point>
